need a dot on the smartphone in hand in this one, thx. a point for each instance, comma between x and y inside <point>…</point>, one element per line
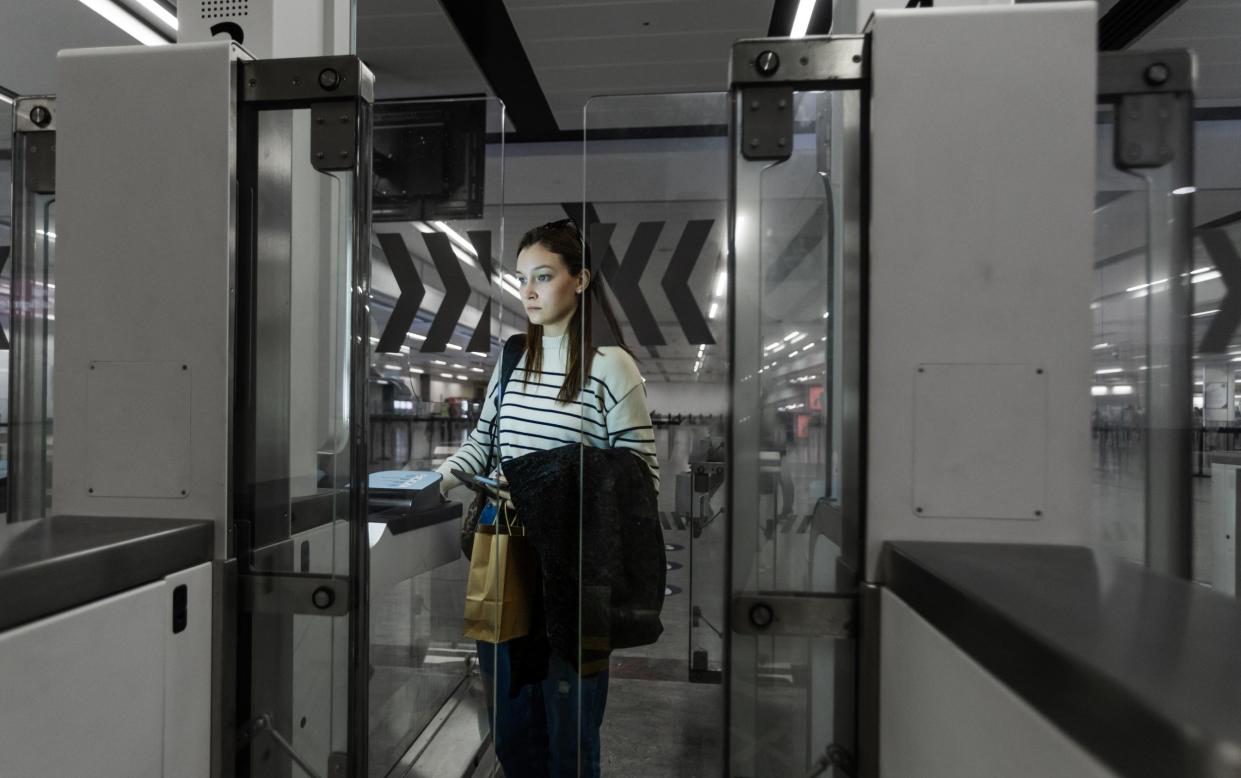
<point>478,483</point>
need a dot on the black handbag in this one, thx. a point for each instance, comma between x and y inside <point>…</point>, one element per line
<point>513,347</point>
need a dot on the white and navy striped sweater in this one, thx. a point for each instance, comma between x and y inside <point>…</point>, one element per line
<point>611,412</point>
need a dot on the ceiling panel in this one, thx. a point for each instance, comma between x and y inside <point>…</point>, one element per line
<point>32,32</point>
<point>582,49</point>
<point>414,50</point>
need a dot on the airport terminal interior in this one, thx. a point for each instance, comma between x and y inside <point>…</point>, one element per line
<point>898,431</point>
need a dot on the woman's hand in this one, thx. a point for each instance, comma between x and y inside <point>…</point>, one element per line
<point>502,491</point>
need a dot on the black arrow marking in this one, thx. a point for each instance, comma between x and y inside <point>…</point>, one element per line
<point>410,297</point>
<point>625,285</point>
<point>480,341</point>
<point>676,281</point>
<point>456,292</point>
<point>1223,324</point>
<point>4,259</point>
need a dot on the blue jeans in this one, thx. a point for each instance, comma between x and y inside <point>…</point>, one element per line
<point>538,733</point>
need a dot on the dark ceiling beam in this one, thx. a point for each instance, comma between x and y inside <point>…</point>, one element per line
<point>488,32</point>
<point>783,12</point>
<point>1129,20</point>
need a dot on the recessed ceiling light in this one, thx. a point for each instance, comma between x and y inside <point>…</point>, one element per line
<point>125,20</point>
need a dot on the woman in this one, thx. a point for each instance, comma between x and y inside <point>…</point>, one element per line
<point>564,390</point>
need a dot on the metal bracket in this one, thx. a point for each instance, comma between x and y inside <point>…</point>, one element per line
<point>831,61</point>
<point>306,80</point>
<point>296,593</point>
<point>34,123</point>
<point>795,614</point>
<point>1150,89</point>
<point>337,765</point>
<point>34,114</point>
<point>330,86</point>
<point>333,135</point>
<point>767,122</point>
<point>836,756</point>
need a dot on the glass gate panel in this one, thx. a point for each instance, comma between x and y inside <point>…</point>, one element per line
<point>787,712</point>
<point>442,303</point>
<point>1120,354</point>
<point>654,214</point>
<point>302,273</point>
<point>30,297</point>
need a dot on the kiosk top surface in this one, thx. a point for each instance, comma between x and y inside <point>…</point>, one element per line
<point>1141,669</point>
<point>53,564</point>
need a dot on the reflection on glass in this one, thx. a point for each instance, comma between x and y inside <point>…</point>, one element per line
<point>784,696</point>
<point>657,213</point>
<point>1119,360</point>
<point>296,453</point>
<point>29,296</point>
<point>441,304</point>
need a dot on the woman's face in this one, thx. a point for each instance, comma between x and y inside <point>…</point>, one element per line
<point>548,291</point>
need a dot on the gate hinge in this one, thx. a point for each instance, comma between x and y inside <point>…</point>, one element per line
<point>797,614</point>
<point>296,593</point>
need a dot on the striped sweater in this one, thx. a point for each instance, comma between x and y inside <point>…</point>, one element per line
<point>610,412</point>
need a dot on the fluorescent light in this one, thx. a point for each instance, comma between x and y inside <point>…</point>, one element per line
<point>801,20</point>
<point>463,378</point>
<point>415,336</point>
<point>374,340</point>
<point>696,366</point>
<point>6,98</point>
<point>453,347</point>
<point>796,336</point>
<point>1109,371</point>
<point>405,349</point>
<point>1204,313</point>
<point>791,335</point>
<point>479,354</point>
<point>477,370</point>
<point>721,283</point>
<point>392,367</point>
<point>438,362</point>
<point>466,258</point>
<point>126,21</point>
<point>1209,275</point>
<point>1184,190</point>
<point>826,314</point>
<point>1100,345</point>
<point>167,19</point>
<point>1122,389</point>
<point>416,370</point>
<point>1140,287</point>
<point>794,353</point>
<point>776,349</point>
<point>715,307</point>
<point>1098,391</point>
<point>446,375</point>
<point>423,227</point>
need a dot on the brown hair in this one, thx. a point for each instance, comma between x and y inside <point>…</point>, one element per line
<point>563,239</point>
